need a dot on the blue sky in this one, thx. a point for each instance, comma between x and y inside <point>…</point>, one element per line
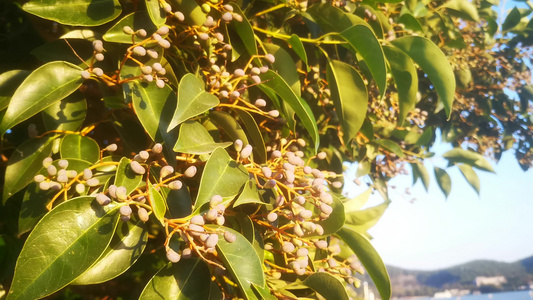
<point>432,232</point>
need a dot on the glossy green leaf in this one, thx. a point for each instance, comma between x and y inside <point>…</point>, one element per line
<point>443,180</point>
<point>464,9</point>
<point>298,48</point>
<point>254,135</point>
<point>42,88</point>
<point>34,202</point>
<point>434,63</point>
<point>154,108</point>
<point>230,125</point>
<point>411,23</point>
<point>391,146</point>
<point>370,259</point>
<point>76,51</point>
<point>244,30</point>
<point>406,78</point>
<point>179,202</point>
<point>25,163</point>
<point>246,274</point>
<point>420,171</point>
<point>65,243</point>
<point>9,82</point>
<point>136,20</point>
<point>363,168</point>
<point>327,285</point>
<point>222,176</point>
<point>75,12</point>
<point>470,176</point>
<point>512,19</point>
<point>192,100</point>
<point>195,139</point>
<point>459,155</point>
<point>355,204</point>
<point>126,177</point>
<point>79,147</point>
<point>263,293</point>
<point>187,279</point>
<point>284,66</point>
<point>303,111</point>
<point>67,114</point>
<point>333,19</point>
<point>125,248</point>
<point>158,204</point>
<point>349,96</point>
<point>336,219</point>
<point>365,42</point>
<point>362,220</point>
<point>156,12</point>
<point>249,194</point>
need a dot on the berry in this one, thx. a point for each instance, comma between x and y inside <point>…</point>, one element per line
<point>230,237</point>
<point>175,185</point>
<point>121,193</point>
<point>137,168</point>
<point>102,199</point>
<point>190,172</point>
<point>173,256</point>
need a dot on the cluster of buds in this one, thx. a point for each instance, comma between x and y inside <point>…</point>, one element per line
<point>98,55</point>
<point>56,178</point>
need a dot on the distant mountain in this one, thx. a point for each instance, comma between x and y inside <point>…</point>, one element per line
<point>426,283</point>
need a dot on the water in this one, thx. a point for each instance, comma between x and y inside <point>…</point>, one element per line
<point>515,295</point>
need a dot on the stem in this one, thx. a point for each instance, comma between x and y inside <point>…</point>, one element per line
<point>317,41</point>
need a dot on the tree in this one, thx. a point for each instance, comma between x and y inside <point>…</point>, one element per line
<point>203,141</point>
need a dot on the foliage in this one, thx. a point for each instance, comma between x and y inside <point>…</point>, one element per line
<point>212,133</point>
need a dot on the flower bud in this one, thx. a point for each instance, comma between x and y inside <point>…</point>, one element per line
<point>246,151</point>
<point>102,199</point>
<point>137,168</point>
<point>175,185</point>
<point>230,237</point>
<point>190,172</point>
<point>111,147</point>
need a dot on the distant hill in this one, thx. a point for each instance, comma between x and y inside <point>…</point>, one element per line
<point>426,283</point>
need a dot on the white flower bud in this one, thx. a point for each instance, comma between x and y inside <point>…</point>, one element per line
<point>175,185</point>
<point>190,172</point>
<point>246,151</point>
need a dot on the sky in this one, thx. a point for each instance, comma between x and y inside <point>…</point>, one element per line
<point>432,232</point>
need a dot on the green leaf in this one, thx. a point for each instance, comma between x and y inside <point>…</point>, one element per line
<point>65,243</point>
<point>247,273</point>
<point>459,155</point>
<point>79,147</point>
<point>263,293</point>
<point>420,171</point>
<point>405,76</point>
<point>179,202</point>
<point>156,12</point>
<point>327,285</point>
<point>244,30</point>
<point>34,202</point>
<point>125,248</point>
<point>222,176</point>
<point>158,204</point>
<point>434,63</point>
<point>24,163</point>
<point>9,82</point>
<point>365,42</point>
<point>370,259</point>
<point>192,100</point>
<point>464,9</point>
<point>333,19</point>
<point>42,88</point>
<point>187,279</point>
<point>195,139</point>
<point>249,194</point>
<point>411,23</point>
<point>355,204</point>
<point>67,114</point>
<point>192,11</point>
<point>470,176</point>
<point>349,95</point>
<point>154,107</point>
<point>362,220</point>
<point>230,125</point>
<point>75,12</point>
<point>284,66</point>
<point>298,48</point>
<point>391,146</point>
<point>276,83</point>
<point>137,20</point>
<point>76,51</point>
<point>363,168</point>
<point>126,177</point>
<point>512,19</point>
<point>443,180</point>
<point>254,134</point>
